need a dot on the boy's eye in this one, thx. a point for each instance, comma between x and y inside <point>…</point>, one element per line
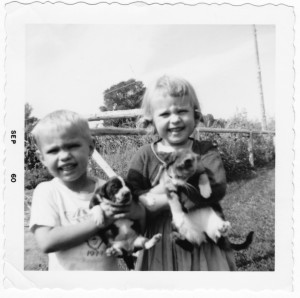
<point>165,114</point>
<point>52,151</point>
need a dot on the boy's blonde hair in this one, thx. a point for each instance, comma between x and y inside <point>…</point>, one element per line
<point>172,86</point>
<point>62,119</point>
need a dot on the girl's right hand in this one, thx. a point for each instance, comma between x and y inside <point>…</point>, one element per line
<point>154,202</point>
<point>112,212</point>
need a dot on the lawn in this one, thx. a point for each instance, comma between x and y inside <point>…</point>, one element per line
<point>249,205</point>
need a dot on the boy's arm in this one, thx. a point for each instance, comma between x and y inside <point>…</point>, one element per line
<point>51,239</point>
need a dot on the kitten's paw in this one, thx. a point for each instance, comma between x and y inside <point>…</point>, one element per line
<point>170,187</point>
<point>113,252</point>
<point>205,190</point>
<point>225,228</point>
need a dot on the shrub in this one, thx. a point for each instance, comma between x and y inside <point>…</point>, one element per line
<point>118,151</point>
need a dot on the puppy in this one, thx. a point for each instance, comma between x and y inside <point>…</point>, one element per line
<point>123,237</point>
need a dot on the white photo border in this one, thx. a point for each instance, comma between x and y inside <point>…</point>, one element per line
<point>18,15</point>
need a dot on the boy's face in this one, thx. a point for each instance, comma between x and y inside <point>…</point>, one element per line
<point>173,118</point>
<point>65,153</point>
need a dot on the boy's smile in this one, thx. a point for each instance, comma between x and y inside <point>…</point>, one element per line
<point>65,153</point>
<point>173,118</point>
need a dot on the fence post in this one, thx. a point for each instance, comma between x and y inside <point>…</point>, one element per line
<point>250,149</point>
<point>196,134</point>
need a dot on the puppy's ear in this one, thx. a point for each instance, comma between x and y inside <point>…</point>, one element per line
<point>128,184</point>
<point>102,190</point>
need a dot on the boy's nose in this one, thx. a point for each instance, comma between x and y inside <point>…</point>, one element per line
<point>64,154</point>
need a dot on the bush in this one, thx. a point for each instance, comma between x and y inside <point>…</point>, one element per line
<point>118,151</point>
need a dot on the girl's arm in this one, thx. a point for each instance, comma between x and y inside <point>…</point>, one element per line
<point>138,176</point>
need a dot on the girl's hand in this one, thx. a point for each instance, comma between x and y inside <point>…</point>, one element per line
<point>135,211</point>
<point>112,211</point>
<point>154,202</point>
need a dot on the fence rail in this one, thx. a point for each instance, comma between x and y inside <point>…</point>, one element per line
<point>134,131</point>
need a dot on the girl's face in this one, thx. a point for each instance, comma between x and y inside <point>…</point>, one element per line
<point>65,153</point>
<point>173,118</point>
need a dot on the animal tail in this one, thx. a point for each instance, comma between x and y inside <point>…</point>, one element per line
<point>243,245</point>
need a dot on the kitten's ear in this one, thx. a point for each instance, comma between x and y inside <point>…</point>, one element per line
<point>167,157</point>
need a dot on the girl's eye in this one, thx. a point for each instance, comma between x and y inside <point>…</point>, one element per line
<point>72,146</point>
<point>182,111</point>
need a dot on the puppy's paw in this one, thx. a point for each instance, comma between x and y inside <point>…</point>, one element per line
<point>157,237</point>
<point>205,190</point>
<point>176,236</point>
<point>97,215</point>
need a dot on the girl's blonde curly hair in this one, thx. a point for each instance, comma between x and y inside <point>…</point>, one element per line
<point>172,86</point>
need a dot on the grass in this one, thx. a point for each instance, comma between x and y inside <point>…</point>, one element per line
<point>249,205</point>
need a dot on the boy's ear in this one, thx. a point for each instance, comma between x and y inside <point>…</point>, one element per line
<point>39,155</point>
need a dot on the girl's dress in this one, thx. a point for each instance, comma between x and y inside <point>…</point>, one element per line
<point>166,255</point>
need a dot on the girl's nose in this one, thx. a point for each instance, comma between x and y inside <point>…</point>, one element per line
<point>174,118</point>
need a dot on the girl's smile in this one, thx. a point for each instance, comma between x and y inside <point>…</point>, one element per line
<point>173,118</point>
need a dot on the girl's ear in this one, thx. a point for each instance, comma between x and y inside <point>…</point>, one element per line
<point>92,147</point>
<point>198,117</point>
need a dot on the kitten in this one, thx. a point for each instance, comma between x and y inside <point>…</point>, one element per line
<point>199,224</point>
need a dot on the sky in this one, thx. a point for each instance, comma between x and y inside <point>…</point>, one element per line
<point>70,66</point>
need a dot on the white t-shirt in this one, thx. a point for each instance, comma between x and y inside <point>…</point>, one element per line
<point>53,205</point>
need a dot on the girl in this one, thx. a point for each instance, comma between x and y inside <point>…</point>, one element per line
<point>172,110</point>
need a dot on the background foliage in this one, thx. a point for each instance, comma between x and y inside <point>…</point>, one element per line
<point>126,95</point>
<point>118,150</point>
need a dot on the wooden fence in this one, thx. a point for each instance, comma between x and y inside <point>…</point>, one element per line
<point>133,131</point>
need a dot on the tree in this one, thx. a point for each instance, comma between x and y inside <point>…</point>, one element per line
<point>31,160</point>
<point>30,121</point>
<point>125,95</point>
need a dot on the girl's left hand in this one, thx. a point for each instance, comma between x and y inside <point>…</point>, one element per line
<point>134,211</point>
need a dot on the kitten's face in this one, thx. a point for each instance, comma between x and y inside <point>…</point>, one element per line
<point>182,165</point>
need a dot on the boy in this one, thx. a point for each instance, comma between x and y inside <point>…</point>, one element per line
<point>60,217</point>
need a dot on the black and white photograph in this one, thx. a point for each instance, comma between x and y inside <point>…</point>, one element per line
<point>149,144</point>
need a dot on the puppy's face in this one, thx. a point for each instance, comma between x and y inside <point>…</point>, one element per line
<point>116,191</point>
